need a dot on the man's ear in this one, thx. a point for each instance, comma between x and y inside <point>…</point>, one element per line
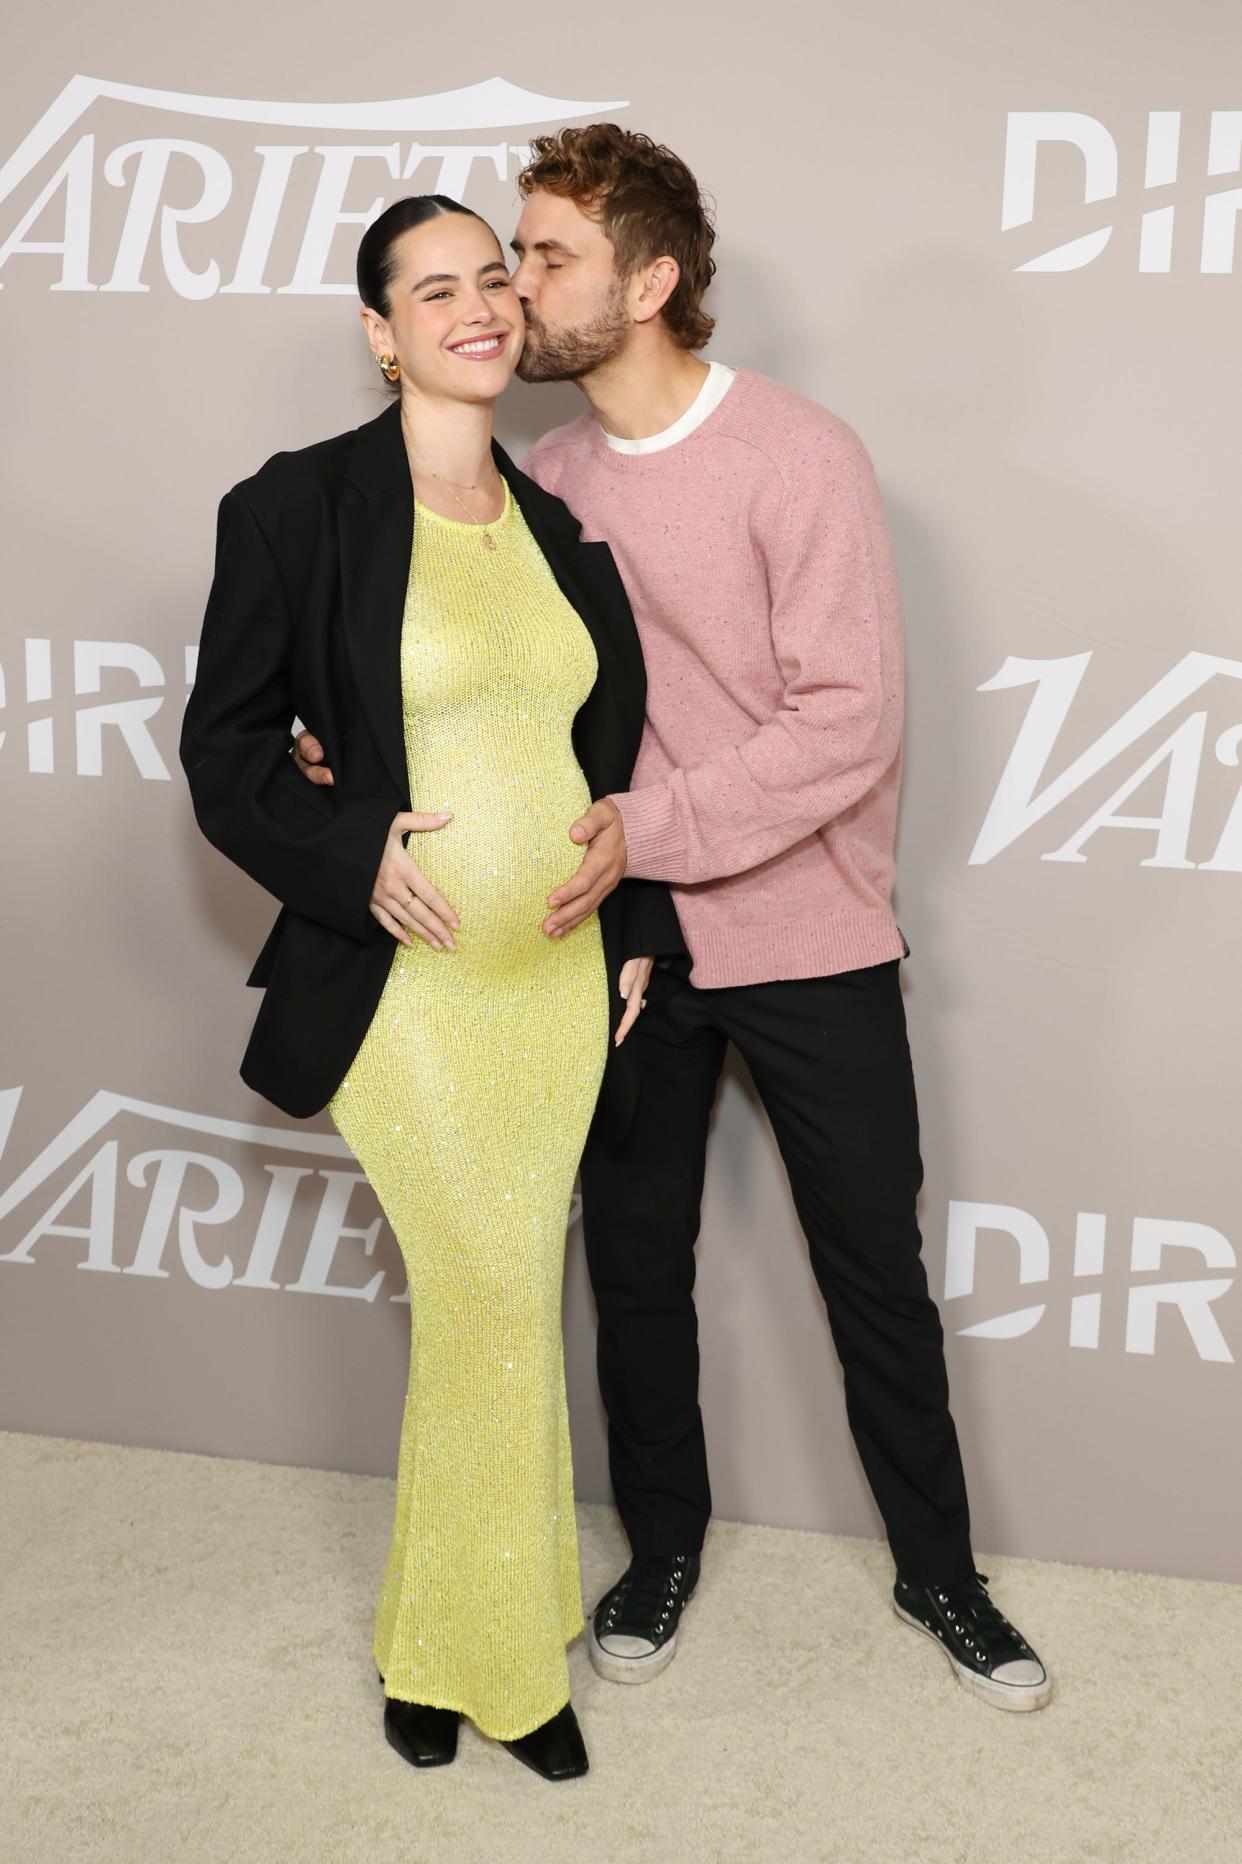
<point>651,287</point>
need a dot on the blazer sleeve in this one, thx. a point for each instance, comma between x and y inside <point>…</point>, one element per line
<point>650,927</point>
<point>317,852</point>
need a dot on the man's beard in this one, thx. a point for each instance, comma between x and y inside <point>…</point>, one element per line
<point>568,355</point>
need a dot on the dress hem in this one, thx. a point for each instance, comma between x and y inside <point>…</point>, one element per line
<point>458,1708</point>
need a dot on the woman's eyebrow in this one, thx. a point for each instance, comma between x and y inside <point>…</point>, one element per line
<point>452,278</point>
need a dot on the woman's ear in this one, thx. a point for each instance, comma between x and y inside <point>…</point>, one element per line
<point>378,334</point>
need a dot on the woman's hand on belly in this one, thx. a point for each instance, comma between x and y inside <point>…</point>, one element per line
<point>403,899</point>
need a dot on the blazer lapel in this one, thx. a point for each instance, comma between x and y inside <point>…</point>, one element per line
<point>587,578</point>
<point>376,529</point>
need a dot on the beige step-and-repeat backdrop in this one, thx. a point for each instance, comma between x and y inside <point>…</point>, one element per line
<point>1002,242</point>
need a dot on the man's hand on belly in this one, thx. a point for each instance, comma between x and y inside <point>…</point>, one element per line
<point>602,869</point>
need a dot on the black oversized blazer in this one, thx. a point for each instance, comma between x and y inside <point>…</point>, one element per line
<point>304,618</point>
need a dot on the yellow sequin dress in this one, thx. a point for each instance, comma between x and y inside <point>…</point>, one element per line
<point>467,1106</point>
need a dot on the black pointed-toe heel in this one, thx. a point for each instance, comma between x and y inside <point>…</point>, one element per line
<point>424,1736</point>
<point>556,1750</point>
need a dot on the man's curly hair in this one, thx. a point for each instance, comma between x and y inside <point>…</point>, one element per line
<point>647,203</point>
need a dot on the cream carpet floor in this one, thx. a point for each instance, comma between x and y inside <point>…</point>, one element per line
<point>184,1645</point>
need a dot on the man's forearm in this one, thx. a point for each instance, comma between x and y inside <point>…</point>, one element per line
<point>752,802</point>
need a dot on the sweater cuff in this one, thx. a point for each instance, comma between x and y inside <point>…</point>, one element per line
<point>651,839</point>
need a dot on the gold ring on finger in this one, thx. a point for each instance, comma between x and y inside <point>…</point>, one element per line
<point>642,1003</point>
<point>409,899</point>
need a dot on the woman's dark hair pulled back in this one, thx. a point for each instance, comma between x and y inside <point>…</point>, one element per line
<point>376,265</point>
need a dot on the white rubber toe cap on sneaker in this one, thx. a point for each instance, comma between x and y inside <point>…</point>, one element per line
<point>618,1646</point>
<point>1023,1684</point>
<point>1023,1673</point>
<point>621,1659</point>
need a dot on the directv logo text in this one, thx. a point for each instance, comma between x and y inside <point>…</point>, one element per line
<point>1153,250</point>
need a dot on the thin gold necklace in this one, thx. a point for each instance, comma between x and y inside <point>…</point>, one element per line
<point>480,524</point>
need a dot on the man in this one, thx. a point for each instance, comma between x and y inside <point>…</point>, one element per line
<point>749,532</point>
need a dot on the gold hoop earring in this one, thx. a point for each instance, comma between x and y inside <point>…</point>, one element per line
<point>389,366</point>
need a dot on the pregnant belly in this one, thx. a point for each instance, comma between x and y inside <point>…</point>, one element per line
<point>506,848</point>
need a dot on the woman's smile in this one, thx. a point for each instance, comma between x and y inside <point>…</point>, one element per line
<point>481,349</point>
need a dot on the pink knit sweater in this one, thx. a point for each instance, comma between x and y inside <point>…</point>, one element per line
<point>757,563</point>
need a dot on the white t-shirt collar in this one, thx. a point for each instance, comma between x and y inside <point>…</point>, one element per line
<point>715,388</point>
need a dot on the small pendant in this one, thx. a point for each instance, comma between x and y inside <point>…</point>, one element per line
<point>489,540</point>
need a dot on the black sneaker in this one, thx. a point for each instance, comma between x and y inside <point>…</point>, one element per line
<point>634,1629</point>
<point>987,1654</point>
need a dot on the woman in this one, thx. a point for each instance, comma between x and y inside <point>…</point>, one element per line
<point>473,673</point>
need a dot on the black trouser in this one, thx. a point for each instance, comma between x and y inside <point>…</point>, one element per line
<point>831,1064</point>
